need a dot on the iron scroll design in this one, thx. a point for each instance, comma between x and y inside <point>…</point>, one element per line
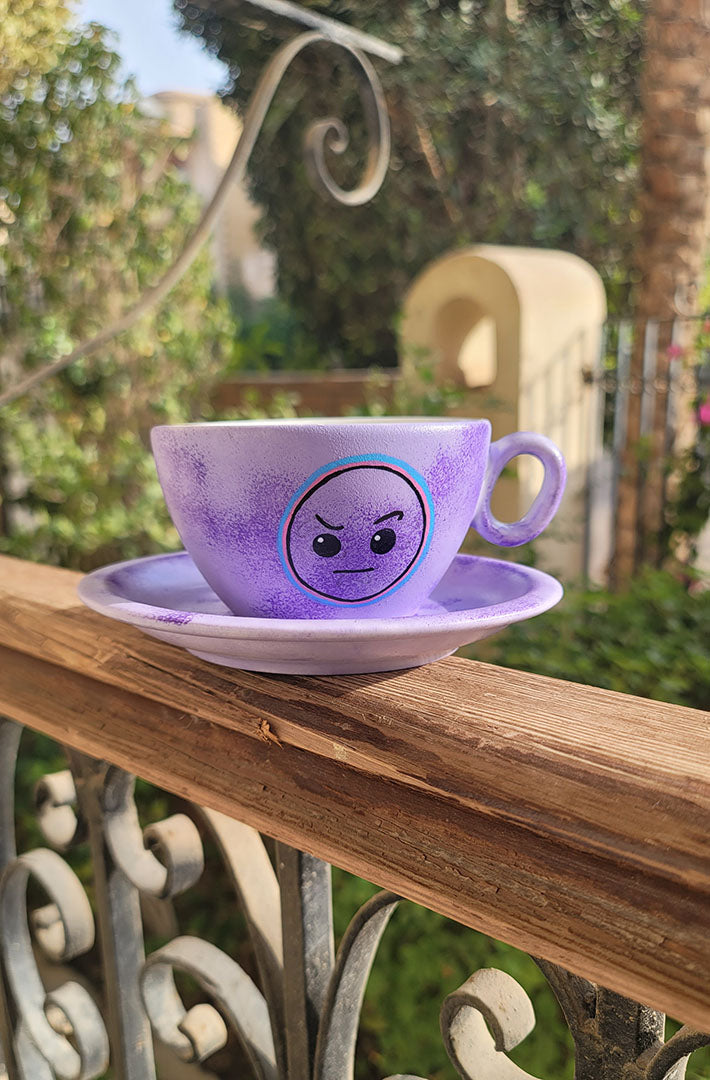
<point>296,1015</point>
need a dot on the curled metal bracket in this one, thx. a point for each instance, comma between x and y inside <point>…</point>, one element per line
<point>327,133</point>
<point>66,931</point>
<point>195,1034</point>
<point>55,801</point>
<point>337,1035</point>
<point>176,839</point>
<point>324,134</point>
<point>482,1020</point>
<point>332,134</point>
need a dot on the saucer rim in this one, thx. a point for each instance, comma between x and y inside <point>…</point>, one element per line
<point>544,592</point>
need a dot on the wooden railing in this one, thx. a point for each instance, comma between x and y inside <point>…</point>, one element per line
<point>569,821</point>
<point>314,393</point>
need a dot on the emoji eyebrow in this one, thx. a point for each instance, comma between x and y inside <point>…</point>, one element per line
<point>324,522</point>
<point>393,513</point>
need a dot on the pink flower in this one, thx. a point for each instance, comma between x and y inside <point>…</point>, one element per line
<point>704,411</point>
<point>674,351</point>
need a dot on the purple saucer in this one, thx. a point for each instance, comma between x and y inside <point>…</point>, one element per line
<point>167,597</point>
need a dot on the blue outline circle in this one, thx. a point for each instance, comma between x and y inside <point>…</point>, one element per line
<point>359,459</point>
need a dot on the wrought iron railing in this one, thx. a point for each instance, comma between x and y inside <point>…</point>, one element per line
<point>569,821</point>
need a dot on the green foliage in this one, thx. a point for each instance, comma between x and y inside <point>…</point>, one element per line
<point>91,213</point>
<point>498,126</point>
<point>650,640</point>
<point>28,39</point>
<point>691,510</point>
<point>271,337</point>
<point>425,397</point>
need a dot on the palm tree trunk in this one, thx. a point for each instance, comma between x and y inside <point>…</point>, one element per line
<point>674,205</point>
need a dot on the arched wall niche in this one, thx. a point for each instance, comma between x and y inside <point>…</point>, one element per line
<point>517,330</point>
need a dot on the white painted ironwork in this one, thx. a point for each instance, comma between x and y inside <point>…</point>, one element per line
<point>298,1018</point>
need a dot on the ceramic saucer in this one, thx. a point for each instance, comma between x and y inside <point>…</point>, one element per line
<point>167,597</point>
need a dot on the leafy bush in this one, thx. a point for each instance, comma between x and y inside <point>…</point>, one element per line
<point>650,640</point>
<point>92,212</point>
<point>271,338</point>
<point>688,510</point>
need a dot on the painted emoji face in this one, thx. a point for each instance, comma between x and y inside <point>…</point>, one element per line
<point>356,529</point>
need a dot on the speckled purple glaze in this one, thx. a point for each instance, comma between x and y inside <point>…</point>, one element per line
<point>176,618</point>
<point>285,518</point>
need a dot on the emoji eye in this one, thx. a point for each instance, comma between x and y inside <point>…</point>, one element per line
<point>383,541</point>
<point>327,545</point>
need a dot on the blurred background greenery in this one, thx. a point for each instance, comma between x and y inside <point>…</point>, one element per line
<point>498,124</point>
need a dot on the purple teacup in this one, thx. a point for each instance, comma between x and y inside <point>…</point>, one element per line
<point>341,518</point>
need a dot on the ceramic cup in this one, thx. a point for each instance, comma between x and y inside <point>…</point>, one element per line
<point>341,518</point>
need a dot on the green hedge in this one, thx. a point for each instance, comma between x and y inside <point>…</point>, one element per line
<point>651,640</point>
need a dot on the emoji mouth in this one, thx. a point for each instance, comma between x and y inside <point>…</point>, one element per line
<point>364,570</point>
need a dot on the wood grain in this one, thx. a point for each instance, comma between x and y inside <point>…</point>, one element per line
<point>569,821</point>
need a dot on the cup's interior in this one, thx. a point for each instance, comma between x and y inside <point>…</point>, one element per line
<point>323,421</point>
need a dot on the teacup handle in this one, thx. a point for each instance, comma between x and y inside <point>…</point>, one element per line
<point>542,511</point>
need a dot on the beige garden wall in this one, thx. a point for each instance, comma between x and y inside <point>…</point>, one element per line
<point>213,129</point>
<point>519,330</point>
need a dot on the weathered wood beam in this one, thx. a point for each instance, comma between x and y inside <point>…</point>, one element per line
<point>570,821</point>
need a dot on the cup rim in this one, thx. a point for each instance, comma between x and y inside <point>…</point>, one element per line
<point>270,423</point>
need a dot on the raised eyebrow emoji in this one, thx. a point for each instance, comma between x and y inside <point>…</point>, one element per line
<point>393,513</point>
<point>335,528</point>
